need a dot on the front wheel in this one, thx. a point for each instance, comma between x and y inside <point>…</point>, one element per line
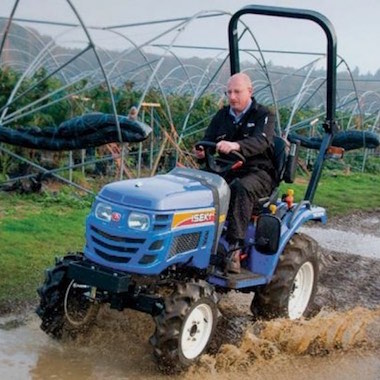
<point>186,325</point>
<point>291,292</point>
<point>65,305</point>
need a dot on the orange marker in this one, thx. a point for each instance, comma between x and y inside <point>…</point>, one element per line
<point>273,209</point>
<point>289,199</point>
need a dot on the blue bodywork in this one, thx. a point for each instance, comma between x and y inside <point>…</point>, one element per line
<point>264,265</point>
<point>115,245</point>
<point>174,235</point>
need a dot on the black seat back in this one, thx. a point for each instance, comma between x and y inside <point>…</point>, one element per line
<point>285,159</point>
<point>280,157</point>
<point>285,163</point>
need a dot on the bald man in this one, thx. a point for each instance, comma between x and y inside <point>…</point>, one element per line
<point>247,127</point>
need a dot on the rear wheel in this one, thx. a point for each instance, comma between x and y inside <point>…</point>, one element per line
<point>185,327</point>
<point>65,305</point>
<point>291,292</point>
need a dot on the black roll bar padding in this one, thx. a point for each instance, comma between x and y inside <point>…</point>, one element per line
<point>330,125</point>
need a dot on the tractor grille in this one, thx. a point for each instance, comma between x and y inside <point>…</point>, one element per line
<point>115,249</point>
<point>184,243</point>
<point>120,239</point>
<point>122,247</point>
<point>161,222</point>
<point>113,259</point>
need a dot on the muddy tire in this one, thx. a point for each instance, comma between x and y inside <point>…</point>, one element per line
<point>63,307</point>
<point>185,327</point>
<point>291,292</point>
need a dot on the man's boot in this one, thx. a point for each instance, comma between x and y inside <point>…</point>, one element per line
<point>233,262</point>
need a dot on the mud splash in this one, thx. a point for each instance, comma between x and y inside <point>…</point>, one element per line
<point>273,349</point>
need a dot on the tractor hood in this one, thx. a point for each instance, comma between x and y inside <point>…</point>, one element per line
<point>179,189</point>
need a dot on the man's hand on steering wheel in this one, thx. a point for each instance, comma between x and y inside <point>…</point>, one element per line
<point>227,147</point>
<point>220,165</point>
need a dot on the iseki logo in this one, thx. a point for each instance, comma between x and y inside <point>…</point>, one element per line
<point>201,218</point>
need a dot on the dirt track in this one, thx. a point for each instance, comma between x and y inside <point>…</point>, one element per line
<point>348,280</point>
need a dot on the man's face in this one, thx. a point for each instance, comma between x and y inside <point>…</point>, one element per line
<point>239,94</point>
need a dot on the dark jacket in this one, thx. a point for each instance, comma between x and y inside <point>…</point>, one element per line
<point>254,133</point>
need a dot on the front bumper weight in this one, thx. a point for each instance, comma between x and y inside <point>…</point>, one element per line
<point>103,278</point>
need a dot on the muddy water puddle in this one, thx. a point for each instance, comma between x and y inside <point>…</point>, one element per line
<point>116,348</point>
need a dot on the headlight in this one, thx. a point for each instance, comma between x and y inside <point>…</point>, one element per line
<point>103,212</point>
<point>138,221</point>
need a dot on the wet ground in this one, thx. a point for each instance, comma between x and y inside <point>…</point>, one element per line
<point>341,342</point>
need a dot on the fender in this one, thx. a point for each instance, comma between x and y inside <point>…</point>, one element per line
<point>300,213</point>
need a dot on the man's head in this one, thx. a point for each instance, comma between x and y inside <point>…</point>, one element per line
<point>239,92</point>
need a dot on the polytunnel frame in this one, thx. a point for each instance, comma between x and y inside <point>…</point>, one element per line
<point>180,29</point>
<point>92,46</point>
<point>155,22</point>
<point>377,118</point>
<point>187,20</point>
<point>263,65</point>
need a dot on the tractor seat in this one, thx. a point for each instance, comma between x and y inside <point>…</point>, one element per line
<point>285,163</point>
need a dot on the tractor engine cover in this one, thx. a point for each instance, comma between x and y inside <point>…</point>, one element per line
<point>146,225</point>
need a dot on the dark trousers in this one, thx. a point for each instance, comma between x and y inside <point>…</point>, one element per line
<point>246,190</point>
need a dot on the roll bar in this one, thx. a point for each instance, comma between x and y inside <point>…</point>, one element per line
<point>329,125</point>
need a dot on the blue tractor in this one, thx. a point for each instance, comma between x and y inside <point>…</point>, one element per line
<point>155,244</point>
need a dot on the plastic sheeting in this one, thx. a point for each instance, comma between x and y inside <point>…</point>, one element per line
<point>81,132</point>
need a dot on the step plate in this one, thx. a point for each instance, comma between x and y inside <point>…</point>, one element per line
<point>245,279</point>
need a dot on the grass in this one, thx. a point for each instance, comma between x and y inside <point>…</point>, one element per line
<point>342,194</point>
<point>32,233</point>
<point>34,229</point>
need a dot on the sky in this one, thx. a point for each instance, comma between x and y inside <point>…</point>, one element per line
<point>356,24</point>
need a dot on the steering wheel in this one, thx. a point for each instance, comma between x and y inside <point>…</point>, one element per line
<point>220,165</point>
